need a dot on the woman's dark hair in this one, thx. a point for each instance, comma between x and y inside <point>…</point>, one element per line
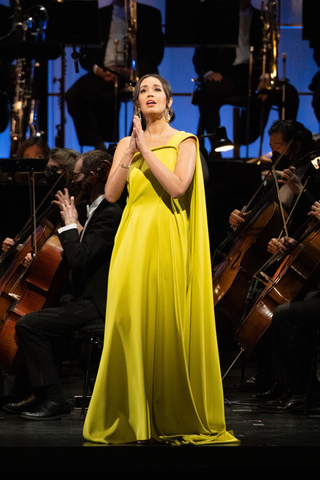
<point>291,129</point>
<point>166,88</point>
<point>30,142</point>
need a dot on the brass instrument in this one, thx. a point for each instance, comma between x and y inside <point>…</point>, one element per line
<point>24,106</point>
<point>130,43</point>
<point>270,40</point>
<point>132,32</point>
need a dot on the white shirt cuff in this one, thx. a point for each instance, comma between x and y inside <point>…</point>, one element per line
<point>67,227</point>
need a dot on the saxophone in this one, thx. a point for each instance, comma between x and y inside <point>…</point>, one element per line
<point>270,40</point>
<point>24,105</point>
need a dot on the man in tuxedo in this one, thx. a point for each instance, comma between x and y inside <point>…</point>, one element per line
<point>93,101</point>
<point>87,249</point>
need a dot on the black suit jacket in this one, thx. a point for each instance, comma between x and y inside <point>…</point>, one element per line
<point>150,40</point>
<point>89,259</point>
<point>221,59</point>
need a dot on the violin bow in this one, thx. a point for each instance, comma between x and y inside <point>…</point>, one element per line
<point>294,206</point>
<point>26,228</point>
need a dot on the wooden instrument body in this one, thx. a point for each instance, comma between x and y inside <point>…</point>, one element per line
<point>232,277</point>
<point>292,280</point>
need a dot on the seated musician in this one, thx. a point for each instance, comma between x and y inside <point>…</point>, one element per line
<point>224,74</point>
<point>59,160</point>
<point>293,170</point>
<point>87,250</point>
<point>293,330</point>
<point>34,147</point>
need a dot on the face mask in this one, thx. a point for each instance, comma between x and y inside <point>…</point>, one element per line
<point>51,177</point>
<point>75,188</point>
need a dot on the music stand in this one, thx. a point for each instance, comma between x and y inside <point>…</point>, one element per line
<point>195,23</point>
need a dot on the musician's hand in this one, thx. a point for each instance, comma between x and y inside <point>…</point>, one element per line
<point>236,218</point>
<point>27,260</point>
<point>61,198</point>
<point>315,210</point>
<point>7,243</point>
<point>213,76</point>
<point>69,212</point>
<point>276,246</point>
<point>105,75</point>
<point>289,177</point>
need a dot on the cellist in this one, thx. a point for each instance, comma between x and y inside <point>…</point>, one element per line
<point>87,250</point>
<point>293,170</point>
<point>59,160</point>
<point>293,331</point>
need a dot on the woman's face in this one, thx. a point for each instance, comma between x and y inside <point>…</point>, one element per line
<point>152,97</point>
<point>54,165</point>
<point>35,151</point>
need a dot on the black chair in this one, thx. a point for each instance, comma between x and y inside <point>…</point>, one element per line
<point>93,335</point>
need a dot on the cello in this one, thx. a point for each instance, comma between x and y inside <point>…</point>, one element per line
<point>232,276</point>
<point>28,288</point>
<point>291,281</point>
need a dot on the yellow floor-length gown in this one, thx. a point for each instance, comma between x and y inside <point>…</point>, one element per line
<point>159,374</point>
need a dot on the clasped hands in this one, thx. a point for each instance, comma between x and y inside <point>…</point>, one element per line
<point>137,140</point>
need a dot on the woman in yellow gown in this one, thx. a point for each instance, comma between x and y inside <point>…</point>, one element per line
<point>159,376</point>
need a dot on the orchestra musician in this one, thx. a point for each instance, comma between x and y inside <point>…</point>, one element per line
<point>224,75</point>
<point>293,333</point>
<point>87,250</point>
<point>92,100</point>
<point>295,144</point>
<point>34,147</point>
<point>59,160</point>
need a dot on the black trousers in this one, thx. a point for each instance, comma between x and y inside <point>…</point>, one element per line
<point>94,107</point>
<point>293,334</point>
<point>39,332</point>
<point>233,89</point>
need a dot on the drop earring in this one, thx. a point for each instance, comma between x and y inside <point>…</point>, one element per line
<point>167,115</point>
<point>139,114</point>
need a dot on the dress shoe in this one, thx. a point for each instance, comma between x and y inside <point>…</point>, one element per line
<point>48,410</point>
<point>25,405</point>
<point>290,403</point>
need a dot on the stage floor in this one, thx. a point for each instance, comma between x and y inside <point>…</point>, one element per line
<point>275,443</point>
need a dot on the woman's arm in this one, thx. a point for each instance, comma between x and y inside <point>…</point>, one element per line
<point>120,168</point>
<point>176,182</point>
